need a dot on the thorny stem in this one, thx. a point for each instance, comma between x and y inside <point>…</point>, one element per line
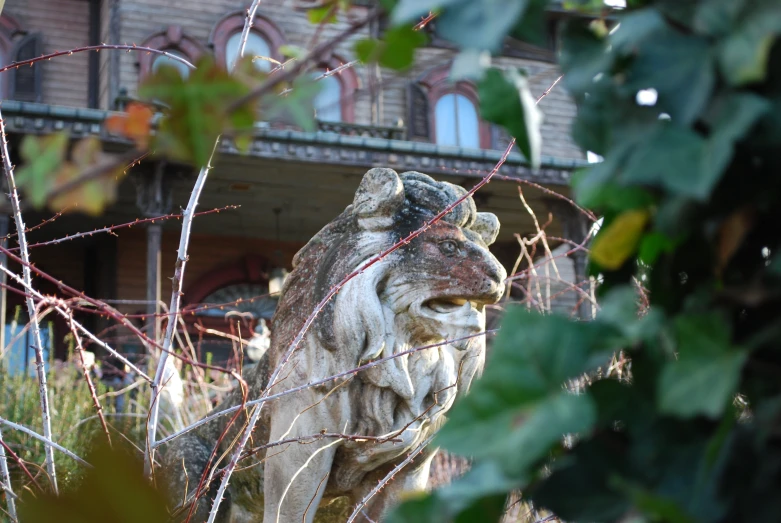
<point>5,482</point>
<point>36,331</point>
<point>88,378</point>
<point>48,442</point>
<point>115,47</point>
<point>384,481</point>
<point>176,298</point>
<point>112,228</point>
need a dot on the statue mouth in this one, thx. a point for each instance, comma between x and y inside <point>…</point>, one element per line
<point>451,305</point>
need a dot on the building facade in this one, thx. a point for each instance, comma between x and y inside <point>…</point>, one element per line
<point>290,184</point>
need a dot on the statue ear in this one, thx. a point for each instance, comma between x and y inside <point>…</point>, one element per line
<point>486,226</point>
<point>377,199</point>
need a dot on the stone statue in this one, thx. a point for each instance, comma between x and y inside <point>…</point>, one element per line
<point>431,290</point>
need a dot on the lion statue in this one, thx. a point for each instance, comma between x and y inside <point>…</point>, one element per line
<point>427,292</point>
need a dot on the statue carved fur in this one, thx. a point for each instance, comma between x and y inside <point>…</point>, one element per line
<point>429,291</point>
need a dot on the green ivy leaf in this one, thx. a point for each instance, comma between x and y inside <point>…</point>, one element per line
<point>519,402</point>
<point>43,156</point>
<point>680,67</point>
<point>324,14</point>
<point>198,108</point>
<point>584,55</point>
<point>395,51</point>
<point>669,151</point>
<point>531,27</point>
<point>705,377</point>
<point>743,55</point>
<point>469,24</point>
<point>505,100</point>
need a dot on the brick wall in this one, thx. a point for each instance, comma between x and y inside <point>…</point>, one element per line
<point>64,24</point>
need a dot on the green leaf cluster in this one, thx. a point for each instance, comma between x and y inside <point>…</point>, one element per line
<point>689,192</point>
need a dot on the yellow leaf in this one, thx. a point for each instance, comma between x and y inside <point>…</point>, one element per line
<point>618,241</point>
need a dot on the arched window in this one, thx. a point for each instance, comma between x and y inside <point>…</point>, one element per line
<point>174,41</point>
<point>161,60</point>
<point>257,47</point>
<point>244,292</point>
<point>456,122</point>
<point>446,113</point>
<point>264,40</point>
<point>328,101</point>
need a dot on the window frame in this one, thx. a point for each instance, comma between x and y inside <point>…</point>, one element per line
<point>234,22</point>
<point>172,38</point>
<point>438,85</point>
<point>349,82</point>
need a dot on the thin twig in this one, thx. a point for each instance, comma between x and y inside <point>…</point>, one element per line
<point>113,228</point>
<point>5,482</point>
<point>88,378</point>
<point>47,442</point>
<point>388,477</point>
<point>115,47</point>
<point>36,331</point>
<point>176,297</point>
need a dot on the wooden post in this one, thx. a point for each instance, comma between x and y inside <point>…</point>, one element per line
<point>153,198</point>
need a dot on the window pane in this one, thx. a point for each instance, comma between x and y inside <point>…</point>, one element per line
<point>456,121</point>
<point>161,60</point>
<point>328,102</point>
<point>468,127</point>
<point>256,46</point>
<point>445,120</point>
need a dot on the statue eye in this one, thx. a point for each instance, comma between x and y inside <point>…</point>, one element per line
<point>448,247</point>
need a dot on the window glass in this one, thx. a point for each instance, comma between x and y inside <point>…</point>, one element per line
<point>456,121</point>
<point>161,60</point>
<point>256,46</point>
<point>328,101</point>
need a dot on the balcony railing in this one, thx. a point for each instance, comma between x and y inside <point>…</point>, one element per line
<point>373,131</point>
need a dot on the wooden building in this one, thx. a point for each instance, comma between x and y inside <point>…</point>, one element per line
<point>291,183</point>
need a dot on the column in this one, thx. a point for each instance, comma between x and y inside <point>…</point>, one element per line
<point>153,198</point>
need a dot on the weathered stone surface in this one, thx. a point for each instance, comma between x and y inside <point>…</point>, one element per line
<point>432,290</point>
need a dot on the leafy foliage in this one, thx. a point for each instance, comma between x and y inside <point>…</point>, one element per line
<point>395,51</point>
<point>86,182</point>
<point>688,191</point>
<point>198,107</point>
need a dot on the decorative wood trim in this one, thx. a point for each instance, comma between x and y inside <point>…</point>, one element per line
<point>233,22</point>
<point>252,268</point>
<point>172,38</point>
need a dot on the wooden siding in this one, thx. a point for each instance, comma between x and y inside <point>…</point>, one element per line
<point>64,24</point>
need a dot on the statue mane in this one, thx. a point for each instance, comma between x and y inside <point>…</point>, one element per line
<point>364,229</point>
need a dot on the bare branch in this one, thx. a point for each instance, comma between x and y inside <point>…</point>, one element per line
<point>36,331</point>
